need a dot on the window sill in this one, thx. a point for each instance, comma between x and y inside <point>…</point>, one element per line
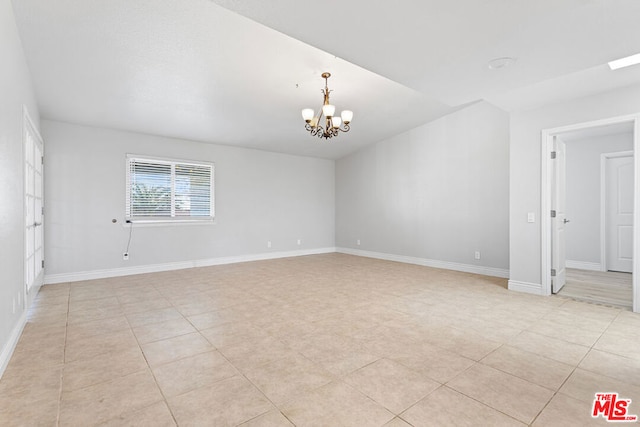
<point>165,223</point>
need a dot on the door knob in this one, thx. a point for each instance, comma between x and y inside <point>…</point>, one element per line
<point>566,220</point>
<point>37,224</point>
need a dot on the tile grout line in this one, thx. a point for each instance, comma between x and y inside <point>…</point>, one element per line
<point>64,357</point>
<point>253,384</point>
<point>493,351</point>
<point>185,357</point>
<point>155,380</point>
<point>556,392</point>
<point>476,362</point>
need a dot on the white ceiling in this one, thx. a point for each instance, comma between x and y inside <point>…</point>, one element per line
<point>239,72</point>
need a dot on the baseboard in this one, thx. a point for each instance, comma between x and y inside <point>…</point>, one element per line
<point>50,279</point>
<point>10,346</point>
<point>529,288</point>
<point>467,268</point>
<point>581,265</point>
<point>155,268</point>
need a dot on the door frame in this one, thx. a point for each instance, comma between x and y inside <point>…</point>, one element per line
<point>29,294</point>
<point>547,136</point>
<point>603,196</point>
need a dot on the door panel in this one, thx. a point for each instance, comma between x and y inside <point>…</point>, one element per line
<point>619,213</point>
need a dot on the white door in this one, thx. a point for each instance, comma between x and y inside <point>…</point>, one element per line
<point>619,213</point>
<point>33,197</point>
<point>559,221</point>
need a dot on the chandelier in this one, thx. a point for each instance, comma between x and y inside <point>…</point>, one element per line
<point>314,124</point>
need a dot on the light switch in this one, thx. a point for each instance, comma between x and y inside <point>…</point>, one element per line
<point>531,217</point>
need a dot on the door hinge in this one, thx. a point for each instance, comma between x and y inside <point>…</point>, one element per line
<point>553,213</point>
<point>42,160</point>
<point>43,210</point>
<point>553,154</point>
<point>42,263</point>
<point>553,272</point>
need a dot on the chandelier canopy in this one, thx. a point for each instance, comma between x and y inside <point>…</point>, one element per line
<point>332,125</point>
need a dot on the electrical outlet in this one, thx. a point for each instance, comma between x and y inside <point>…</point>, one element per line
<point>299,242</point>
<point>268,243</point>
<point>358,242</point>
<point>125,256</point>
<point>477,255</point>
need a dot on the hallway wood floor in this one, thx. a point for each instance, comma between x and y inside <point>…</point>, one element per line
<point>599,287</point>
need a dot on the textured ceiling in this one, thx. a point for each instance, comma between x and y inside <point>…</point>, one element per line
<point>238,72</point>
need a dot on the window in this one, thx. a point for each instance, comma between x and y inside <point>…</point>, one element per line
<point>168,190</point>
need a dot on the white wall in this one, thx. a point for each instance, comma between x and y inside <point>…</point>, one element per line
<point>15,91</point>
<point>525,170</point>
<point>437,193</point>
<point>259,196</point>
<point>583,194</point>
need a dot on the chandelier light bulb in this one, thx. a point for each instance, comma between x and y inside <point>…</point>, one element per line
<point>307,114</point>
<point>336,122</point>
<point>328,110</point>
<point>347,116</point>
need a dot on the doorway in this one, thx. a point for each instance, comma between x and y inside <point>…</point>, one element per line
<point>560,224</point>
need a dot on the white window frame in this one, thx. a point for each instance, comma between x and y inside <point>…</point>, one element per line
<point>173,219</point>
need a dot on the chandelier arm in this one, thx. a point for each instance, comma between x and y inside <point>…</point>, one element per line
<point>318,131</point>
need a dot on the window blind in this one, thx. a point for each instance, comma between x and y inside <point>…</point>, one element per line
<point>168,189</point>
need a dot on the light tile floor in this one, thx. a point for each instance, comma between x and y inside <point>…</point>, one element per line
<point>324,340</point>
